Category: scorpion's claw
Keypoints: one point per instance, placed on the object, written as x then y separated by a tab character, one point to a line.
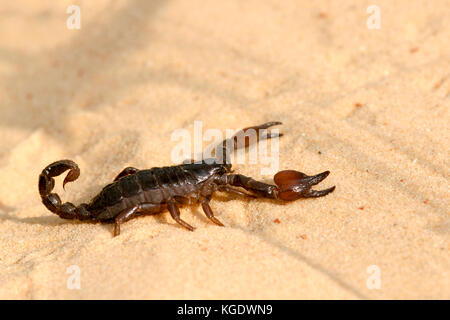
313	180
246	133
321	193
294	185
264	126
269	134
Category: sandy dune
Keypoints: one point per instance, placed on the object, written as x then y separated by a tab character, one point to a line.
370	105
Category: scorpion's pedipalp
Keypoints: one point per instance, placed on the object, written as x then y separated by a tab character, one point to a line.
264	125
294	185
288	178
321	193
235	191
250	131
313	180
242	138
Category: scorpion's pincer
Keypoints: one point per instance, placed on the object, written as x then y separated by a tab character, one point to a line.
294	185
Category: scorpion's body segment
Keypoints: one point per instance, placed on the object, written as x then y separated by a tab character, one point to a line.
184	184
137	192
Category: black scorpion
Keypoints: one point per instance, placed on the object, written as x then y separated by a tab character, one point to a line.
137	192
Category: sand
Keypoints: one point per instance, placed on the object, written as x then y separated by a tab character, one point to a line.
370	105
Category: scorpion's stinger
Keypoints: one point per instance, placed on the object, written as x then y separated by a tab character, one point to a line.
46	181
51	200
72	175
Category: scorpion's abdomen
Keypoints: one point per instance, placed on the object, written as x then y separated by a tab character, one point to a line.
155	185
115	197
160	184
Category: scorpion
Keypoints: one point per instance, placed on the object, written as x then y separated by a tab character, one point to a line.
137	192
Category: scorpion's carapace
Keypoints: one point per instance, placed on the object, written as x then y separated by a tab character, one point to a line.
137	192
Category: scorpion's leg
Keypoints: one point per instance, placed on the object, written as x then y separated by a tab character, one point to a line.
175	213
130	213
122	217
208	211
125	172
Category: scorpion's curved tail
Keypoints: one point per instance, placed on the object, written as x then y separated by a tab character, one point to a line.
51	200
243	138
